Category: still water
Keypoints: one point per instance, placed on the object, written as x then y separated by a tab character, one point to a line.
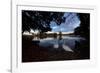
66	43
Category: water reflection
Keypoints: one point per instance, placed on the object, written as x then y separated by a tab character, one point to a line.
58	42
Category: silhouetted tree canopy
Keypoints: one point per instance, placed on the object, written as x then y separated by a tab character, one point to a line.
39	20
84	28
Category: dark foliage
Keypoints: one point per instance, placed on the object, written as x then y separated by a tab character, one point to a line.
39	20
84	28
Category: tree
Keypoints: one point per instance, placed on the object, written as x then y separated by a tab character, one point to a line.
39	20
84	28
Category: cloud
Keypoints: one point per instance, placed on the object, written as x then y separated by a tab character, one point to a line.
71	22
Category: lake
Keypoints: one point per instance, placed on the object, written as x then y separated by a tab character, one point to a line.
67	43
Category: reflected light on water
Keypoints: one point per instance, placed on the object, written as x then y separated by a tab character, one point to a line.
67	48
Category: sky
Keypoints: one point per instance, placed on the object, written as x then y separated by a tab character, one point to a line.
71	22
